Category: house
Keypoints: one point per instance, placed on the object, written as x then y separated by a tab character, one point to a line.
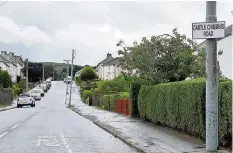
225	45
4	65
109	68
12	65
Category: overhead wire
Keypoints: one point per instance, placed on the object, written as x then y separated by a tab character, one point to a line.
4	2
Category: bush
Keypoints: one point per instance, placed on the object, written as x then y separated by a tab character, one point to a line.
5	79
106	102
86	94
88	74
134	91
181	105
6	96
112	99
124	95
17	92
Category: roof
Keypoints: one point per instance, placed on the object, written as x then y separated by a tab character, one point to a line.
105	60
4	60
115	61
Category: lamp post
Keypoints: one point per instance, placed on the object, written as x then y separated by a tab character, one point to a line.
72	62
67	74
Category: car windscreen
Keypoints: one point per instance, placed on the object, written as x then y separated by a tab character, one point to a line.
24	96
35	91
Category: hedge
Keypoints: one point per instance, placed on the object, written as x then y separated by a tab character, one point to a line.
124	95
86	94
6	96
106	102
134	91
181	105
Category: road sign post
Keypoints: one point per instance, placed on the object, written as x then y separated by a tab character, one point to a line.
211	30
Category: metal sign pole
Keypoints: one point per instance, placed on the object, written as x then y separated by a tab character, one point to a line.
211	84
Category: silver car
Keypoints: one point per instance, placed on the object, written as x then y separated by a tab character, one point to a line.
25	99
36	94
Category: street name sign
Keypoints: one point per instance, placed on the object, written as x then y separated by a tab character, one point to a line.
206	30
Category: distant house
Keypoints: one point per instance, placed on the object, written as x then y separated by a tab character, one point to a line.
12	65
224	44
4	65
109	68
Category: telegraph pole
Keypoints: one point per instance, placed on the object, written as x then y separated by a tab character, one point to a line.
211	84
67	74
43	71
73	56
26	74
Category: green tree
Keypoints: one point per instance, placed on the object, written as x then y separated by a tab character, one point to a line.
163	58
5	79
88	74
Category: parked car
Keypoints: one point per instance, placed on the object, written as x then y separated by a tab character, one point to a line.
47	86
48	82
25	99
36	94
44	87
41	92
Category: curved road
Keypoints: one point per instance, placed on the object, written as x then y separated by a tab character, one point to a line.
50	127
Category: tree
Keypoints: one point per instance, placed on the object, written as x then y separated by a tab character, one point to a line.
5	79
163	58
88	74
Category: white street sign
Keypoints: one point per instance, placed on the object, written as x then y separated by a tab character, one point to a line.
205	30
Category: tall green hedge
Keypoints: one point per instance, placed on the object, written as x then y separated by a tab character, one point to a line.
181	105
134	91
106	102
112	99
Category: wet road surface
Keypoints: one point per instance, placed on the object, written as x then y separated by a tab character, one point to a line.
50	127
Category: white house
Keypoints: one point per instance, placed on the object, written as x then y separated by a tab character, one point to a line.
110	68
4	66
224	44
12	66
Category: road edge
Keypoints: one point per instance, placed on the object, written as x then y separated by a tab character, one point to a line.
102	126
5	109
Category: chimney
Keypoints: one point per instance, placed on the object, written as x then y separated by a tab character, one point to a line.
4	53
109	55
11	54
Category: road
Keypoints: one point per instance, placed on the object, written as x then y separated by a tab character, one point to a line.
50	127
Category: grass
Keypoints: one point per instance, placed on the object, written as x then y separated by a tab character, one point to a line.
2	106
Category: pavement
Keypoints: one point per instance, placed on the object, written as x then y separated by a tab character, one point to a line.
13	105
50	127
142	136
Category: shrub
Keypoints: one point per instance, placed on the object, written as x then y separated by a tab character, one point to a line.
112	99
124	95
86	94
106	102
6	96
88	74
134	91
5	79
181	105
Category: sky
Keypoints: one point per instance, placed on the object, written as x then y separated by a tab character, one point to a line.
46	31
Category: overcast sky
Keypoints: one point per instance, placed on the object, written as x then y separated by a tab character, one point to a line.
48	31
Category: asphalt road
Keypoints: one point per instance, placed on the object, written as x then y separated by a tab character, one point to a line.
50	127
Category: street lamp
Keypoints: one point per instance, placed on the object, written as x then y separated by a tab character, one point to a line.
67	73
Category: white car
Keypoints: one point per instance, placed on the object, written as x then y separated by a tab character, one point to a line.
44	87
36	94
25	99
